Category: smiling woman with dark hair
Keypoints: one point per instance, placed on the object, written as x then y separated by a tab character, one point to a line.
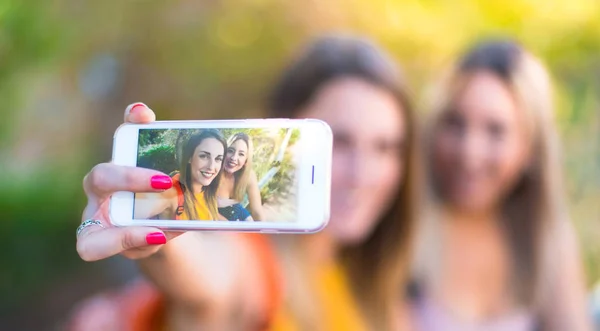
193	195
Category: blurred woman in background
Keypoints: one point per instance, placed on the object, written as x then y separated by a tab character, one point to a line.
238	180
499	252
347	277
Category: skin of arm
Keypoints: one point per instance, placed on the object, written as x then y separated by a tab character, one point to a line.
254	199
567	310
151	204
205	278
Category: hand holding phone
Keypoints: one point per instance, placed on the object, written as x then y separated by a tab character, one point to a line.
102	239
260	175
97	237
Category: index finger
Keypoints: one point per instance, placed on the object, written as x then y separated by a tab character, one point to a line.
107	178
139	113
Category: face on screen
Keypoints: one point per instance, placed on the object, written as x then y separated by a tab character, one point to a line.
237	154
213	178
206	161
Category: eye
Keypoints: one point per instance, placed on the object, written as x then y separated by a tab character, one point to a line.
341	141
241	154
202	156
496	130
219	158
388	147
454	121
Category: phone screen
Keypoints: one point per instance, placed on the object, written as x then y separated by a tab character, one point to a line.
225	174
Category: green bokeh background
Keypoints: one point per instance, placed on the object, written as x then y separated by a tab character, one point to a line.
68	69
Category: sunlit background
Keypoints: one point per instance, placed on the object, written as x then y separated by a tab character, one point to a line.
68	69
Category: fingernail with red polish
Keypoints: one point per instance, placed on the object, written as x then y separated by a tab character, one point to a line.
161	182
139	106
156	238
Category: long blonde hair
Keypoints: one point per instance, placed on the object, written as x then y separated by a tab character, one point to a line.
242	176
535	205
377	267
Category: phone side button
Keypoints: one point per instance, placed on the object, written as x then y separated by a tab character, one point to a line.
268	231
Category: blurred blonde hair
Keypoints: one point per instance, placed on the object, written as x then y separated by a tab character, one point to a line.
535	206
242	176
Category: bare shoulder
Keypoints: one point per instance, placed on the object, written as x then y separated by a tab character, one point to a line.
170	193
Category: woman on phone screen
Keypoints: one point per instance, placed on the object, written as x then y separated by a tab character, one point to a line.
193	194
238	180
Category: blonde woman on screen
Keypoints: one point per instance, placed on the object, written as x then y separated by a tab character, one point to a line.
238	180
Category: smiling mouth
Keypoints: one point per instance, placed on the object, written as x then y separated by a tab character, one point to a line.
231	164
207	174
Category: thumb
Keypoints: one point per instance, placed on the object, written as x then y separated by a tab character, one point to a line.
97	245
139	113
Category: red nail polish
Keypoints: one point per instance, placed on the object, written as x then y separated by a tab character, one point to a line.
161	182
156	238
137	105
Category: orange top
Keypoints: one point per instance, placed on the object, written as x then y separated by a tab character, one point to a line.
142	308
201	205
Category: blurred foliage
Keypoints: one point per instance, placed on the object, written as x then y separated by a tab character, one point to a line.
284	179
278	188
30	37
159	157
217	59
33	240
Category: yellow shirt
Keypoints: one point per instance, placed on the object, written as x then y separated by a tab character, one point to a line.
201	207
339	308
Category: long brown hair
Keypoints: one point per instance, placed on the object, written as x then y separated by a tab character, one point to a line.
210	191
376	267
535	205
242	176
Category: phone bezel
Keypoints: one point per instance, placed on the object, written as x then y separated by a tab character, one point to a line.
313	197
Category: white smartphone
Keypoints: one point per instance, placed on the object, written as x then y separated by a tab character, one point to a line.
253	175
